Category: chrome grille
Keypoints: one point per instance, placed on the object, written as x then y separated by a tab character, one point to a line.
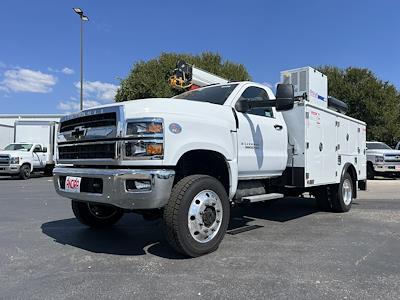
392	158
90	136
90	121
88	151
4	160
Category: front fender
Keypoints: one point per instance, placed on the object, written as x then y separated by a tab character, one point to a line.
199	146
200	132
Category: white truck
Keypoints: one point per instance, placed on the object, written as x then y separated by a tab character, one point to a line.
382	160
189	158
34	149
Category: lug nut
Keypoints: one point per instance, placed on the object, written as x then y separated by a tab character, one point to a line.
205	230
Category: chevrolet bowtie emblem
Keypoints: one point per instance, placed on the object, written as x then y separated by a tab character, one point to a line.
78	133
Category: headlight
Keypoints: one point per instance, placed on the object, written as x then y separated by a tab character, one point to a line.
379	159
144	127
14	160
141	149
145	139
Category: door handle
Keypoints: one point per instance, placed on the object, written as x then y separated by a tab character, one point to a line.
278	127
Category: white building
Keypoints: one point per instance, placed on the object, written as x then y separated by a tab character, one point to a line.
7	125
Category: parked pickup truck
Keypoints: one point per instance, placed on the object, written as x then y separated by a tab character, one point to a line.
189	158
21	159
382	160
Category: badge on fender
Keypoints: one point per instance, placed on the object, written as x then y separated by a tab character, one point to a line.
175	128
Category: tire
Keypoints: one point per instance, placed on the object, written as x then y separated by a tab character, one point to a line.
370	172
25	172
196	216
96	215
343	197
48	170
336	197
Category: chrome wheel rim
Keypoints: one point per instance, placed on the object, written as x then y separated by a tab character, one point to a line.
101	211
347	192
205	216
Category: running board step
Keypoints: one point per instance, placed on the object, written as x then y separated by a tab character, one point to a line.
263	197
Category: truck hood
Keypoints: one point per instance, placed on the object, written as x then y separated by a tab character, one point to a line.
14	153
383	152
178	108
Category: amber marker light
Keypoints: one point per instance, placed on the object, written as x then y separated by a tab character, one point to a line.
155	128
154	149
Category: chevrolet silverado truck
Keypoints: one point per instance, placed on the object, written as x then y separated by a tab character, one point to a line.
382	160
21	159
187	159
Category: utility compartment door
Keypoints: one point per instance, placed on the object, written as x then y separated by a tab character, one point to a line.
321	156
362	156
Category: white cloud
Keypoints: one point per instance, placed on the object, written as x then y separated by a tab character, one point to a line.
67	71
26	80
73	106
102	91
95	93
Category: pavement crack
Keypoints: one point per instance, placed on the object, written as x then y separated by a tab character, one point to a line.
373	250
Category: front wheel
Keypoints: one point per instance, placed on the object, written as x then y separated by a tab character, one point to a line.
25	172
96	215
370	171
197	215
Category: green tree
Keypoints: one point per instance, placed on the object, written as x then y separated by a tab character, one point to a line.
149	79
369	99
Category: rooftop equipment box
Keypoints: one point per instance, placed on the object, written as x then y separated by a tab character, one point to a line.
310	82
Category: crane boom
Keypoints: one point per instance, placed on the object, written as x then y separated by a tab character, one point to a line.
186	76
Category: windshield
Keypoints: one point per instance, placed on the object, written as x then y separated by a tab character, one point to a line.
213	94
377	146
23	147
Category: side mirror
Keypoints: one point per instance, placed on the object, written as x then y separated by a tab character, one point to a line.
284	97
242	106
44	149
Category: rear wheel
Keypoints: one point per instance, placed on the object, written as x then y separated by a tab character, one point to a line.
25	172
96	215
370	171
337	197
197	215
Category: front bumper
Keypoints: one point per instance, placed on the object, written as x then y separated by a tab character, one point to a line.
9	169
387	168
114	186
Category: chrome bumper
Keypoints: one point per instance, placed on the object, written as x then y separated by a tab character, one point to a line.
387	168
114	190
9	169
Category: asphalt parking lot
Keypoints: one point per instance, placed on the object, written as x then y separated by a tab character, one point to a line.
286	250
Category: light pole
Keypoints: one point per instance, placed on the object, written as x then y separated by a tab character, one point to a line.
83	17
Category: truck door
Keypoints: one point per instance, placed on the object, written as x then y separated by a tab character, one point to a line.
262	138
39	157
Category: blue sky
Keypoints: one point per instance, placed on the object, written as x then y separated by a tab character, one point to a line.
39	52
